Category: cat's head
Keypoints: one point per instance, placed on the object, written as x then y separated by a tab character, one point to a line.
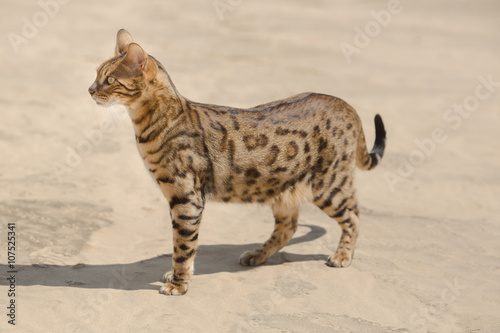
125	77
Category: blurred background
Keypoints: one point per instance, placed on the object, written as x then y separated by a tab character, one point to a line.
431	69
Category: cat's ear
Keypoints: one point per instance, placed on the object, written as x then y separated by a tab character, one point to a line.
136	58
123	39
138	61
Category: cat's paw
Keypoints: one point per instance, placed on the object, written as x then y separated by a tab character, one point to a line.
167	277
252	258
171	289
341	259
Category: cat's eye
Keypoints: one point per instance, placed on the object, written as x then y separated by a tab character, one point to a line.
111	80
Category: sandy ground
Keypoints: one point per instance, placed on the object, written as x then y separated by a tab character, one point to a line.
92	230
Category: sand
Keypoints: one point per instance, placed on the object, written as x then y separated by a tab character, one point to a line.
93	231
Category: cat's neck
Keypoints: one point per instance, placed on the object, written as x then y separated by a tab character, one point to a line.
159	98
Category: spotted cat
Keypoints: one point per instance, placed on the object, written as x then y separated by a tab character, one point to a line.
284	153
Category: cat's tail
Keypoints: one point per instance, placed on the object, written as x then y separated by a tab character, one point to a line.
368	161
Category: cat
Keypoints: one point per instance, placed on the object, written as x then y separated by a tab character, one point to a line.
284	153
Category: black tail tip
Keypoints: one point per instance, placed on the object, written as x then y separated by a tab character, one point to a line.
380	136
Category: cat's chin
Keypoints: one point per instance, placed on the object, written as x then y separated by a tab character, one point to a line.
98	101
103	103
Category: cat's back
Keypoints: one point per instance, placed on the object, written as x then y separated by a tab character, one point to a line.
297	112
304	103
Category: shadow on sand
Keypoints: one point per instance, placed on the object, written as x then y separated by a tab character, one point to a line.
142	275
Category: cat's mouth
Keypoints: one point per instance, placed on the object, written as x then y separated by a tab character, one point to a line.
104	103
98	100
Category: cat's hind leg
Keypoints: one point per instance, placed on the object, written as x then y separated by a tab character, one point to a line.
342	207
286	219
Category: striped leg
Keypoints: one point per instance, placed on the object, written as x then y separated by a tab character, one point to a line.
346	213
349	223
186	216
286	220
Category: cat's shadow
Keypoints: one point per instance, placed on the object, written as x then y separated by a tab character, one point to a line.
145	274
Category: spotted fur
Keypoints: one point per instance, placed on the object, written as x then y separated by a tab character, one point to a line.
284	153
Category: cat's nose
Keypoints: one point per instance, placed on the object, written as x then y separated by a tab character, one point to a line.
92	88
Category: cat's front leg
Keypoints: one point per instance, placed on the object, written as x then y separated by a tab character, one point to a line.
186	213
